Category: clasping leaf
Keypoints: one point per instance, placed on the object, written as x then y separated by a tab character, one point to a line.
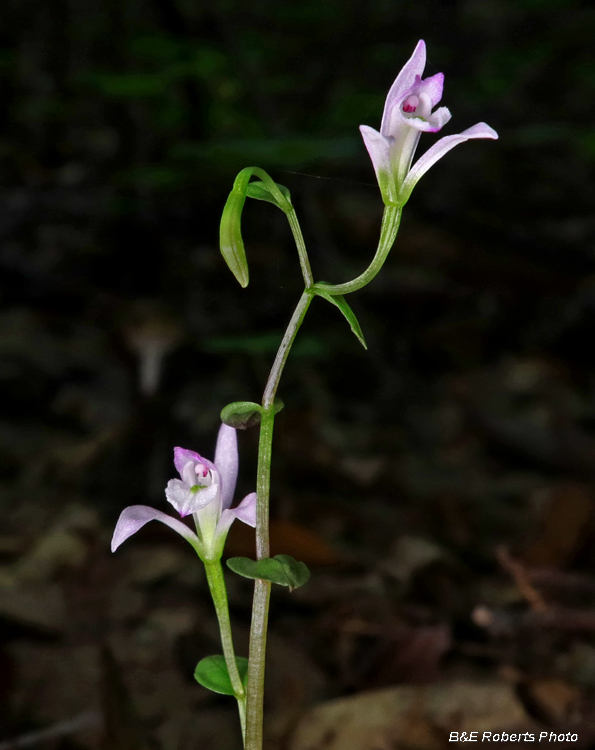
245	414
281	569
339	301
211	672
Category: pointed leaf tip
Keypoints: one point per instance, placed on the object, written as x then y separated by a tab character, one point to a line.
339	301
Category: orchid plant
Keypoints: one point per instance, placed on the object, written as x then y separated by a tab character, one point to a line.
205	488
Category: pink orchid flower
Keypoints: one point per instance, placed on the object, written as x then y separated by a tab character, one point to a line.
204	490
407	114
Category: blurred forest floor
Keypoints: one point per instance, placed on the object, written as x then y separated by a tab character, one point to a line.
441	485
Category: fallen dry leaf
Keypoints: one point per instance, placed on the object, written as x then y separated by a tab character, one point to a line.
554	698
383	719
566	518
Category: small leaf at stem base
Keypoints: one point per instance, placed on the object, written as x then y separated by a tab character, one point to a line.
281	569
211	672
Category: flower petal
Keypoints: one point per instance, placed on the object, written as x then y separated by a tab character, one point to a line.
435	122
187	501
379	149
183	456
226	461
403	82
187	461
437	151
246	510
438	119
136	516
433	86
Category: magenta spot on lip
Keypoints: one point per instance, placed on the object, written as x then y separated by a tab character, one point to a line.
201	470
410	104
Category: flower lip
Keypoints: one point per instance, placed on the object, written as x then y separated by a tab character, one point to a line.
188	499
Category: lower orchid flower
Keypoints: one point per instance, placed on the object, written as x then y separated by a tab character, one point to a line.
205	491
407	114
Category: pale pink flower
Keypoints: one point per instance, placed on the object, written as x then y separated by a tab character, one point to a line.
205	491
408	112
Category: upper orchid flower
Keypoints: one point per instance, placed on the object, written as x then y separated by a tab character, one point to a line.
205	490
408	113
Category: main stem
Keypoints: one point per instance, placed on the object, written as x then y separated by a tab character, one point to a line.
219	595
262	589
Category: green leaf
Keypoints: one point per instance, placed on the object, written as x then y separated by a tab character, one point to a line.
281	569
241	414
339	301
261	192
211	672
245	414
230	237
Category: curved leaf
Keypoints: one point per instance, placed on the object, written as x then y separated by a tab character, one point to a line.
230	237
260	192
241	414
211	672
339	301
281	569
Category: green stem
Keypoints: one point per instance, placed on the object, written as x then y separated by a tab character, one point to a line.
262	589
219	595
388	232
301	247
276	370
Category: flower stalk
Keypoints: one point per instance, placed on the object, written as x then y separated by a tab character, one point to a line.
218	591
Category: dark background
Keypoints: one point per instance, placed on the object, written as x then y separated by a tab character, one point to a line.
423	480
